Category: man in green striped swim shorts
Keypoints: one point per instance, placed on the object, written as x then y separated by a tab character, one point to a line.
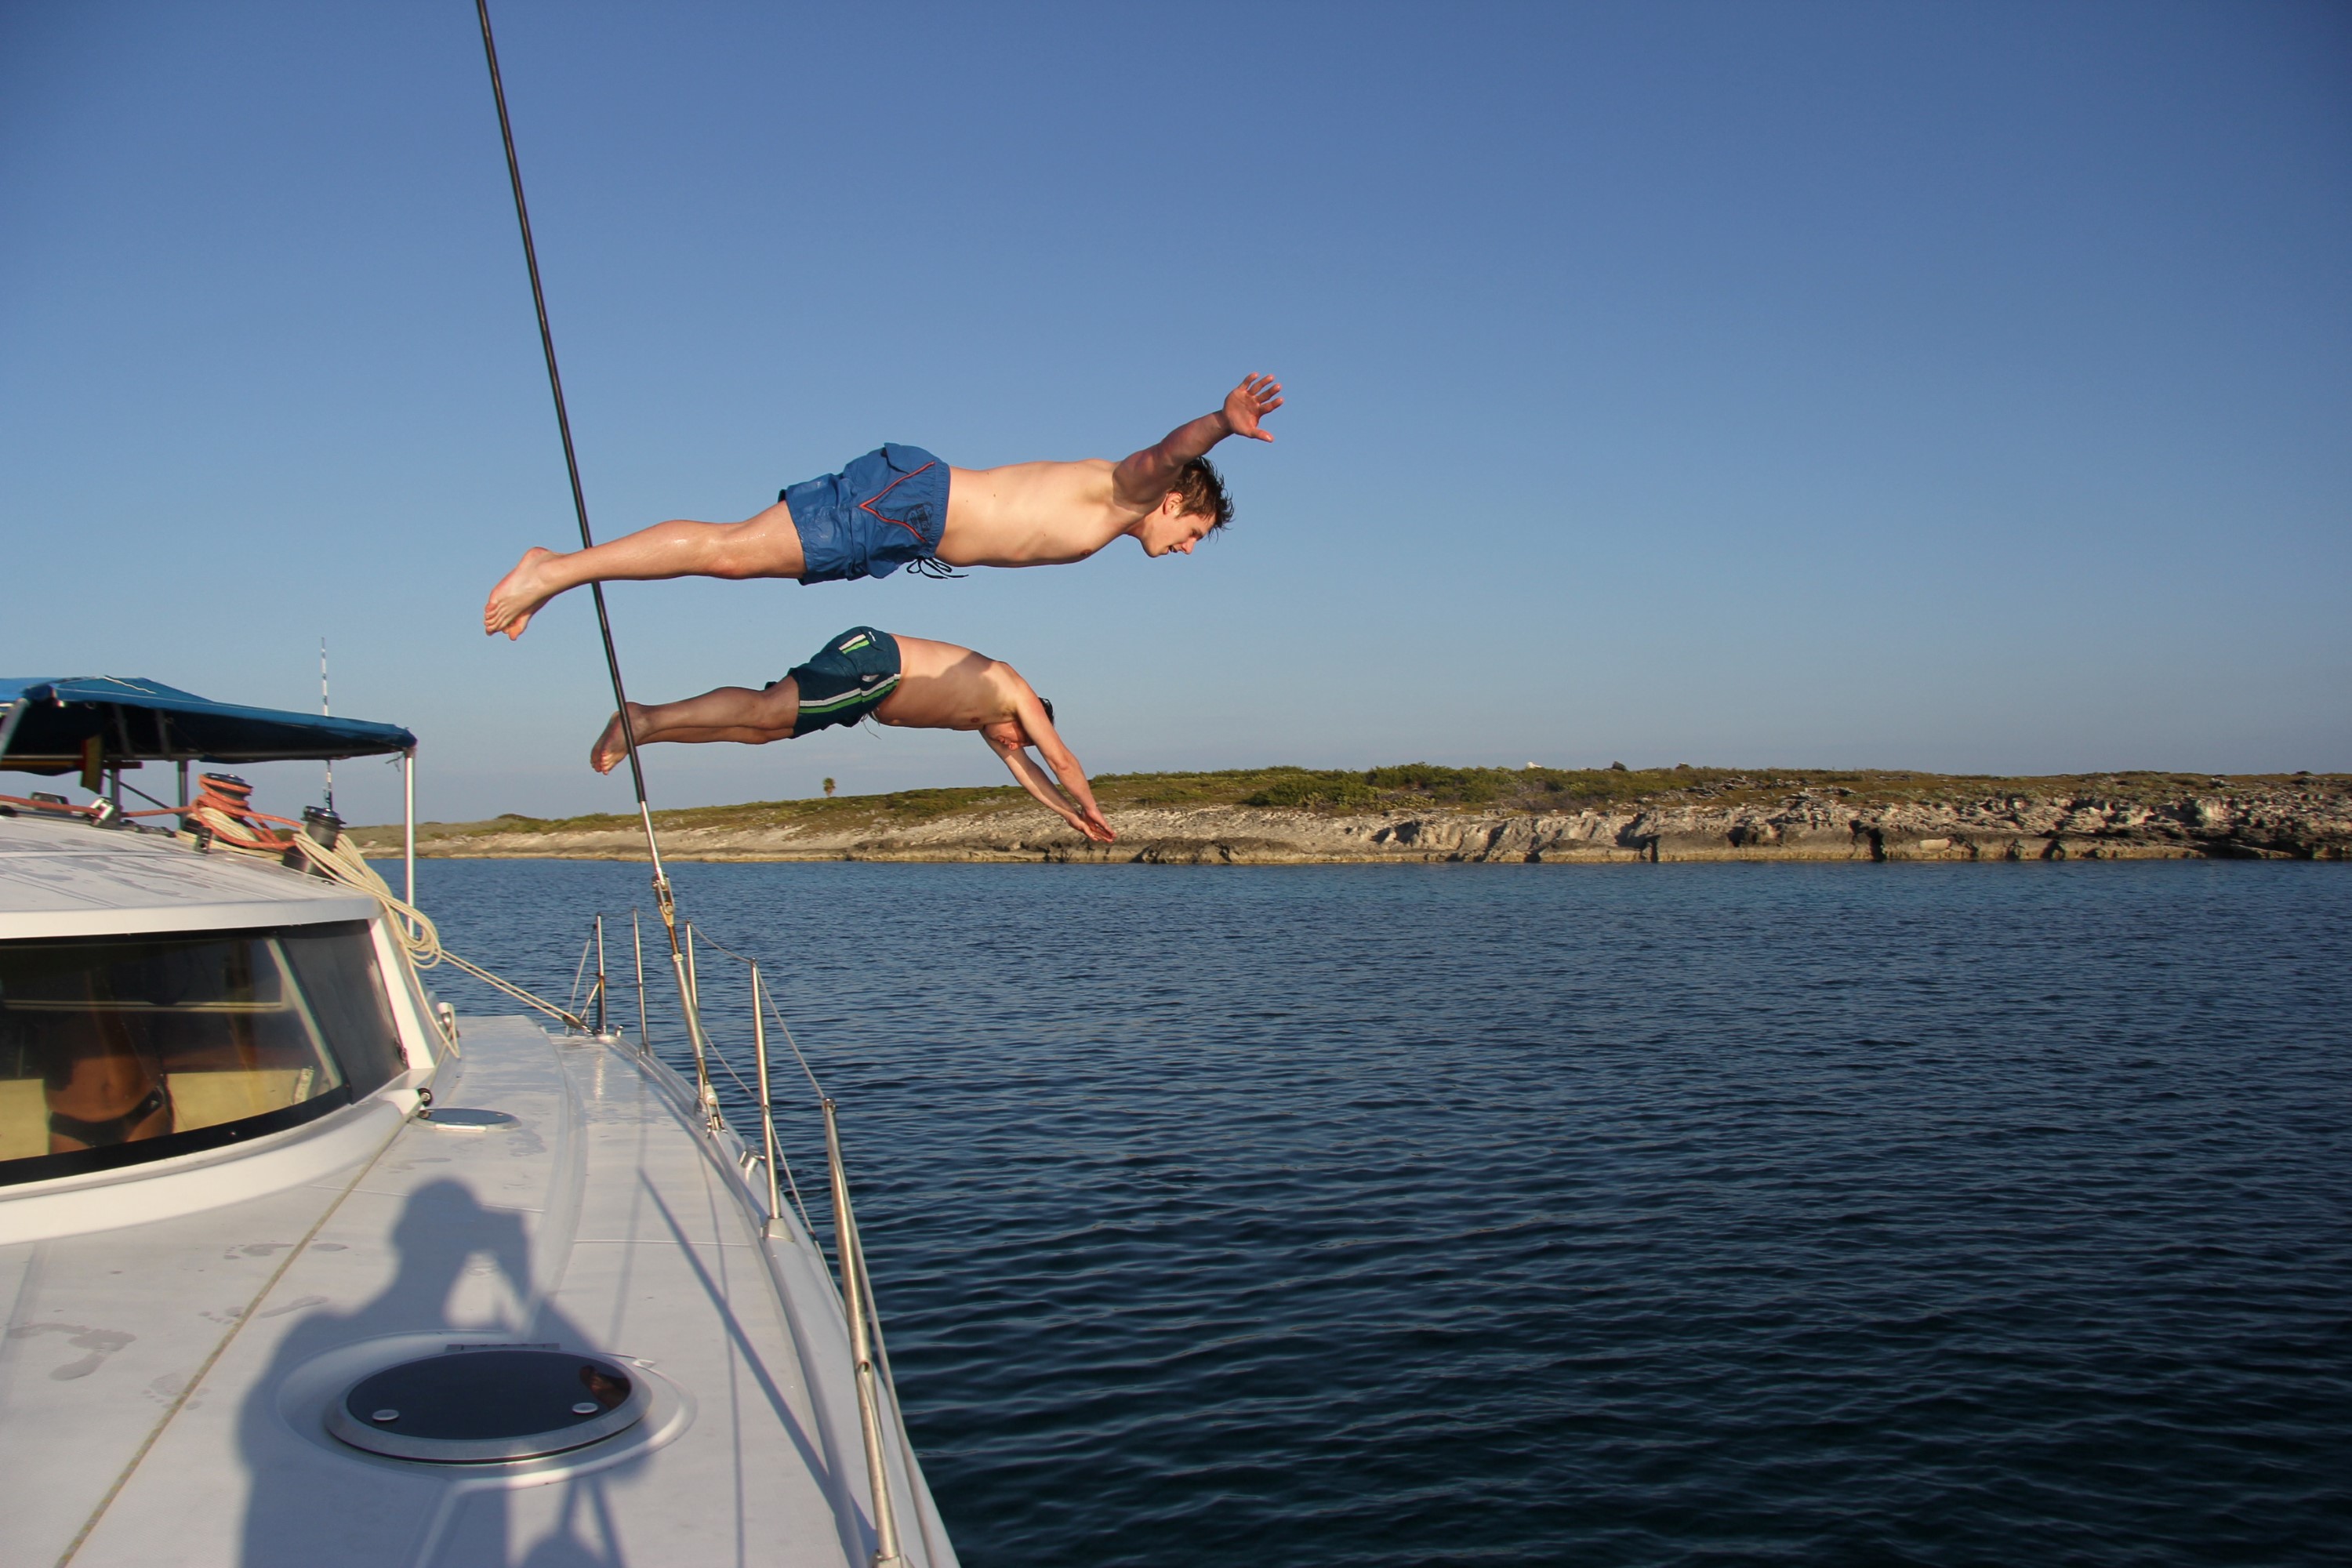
906	682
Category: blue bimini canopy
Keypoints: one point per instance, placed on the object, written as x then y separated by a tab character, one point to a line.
49	725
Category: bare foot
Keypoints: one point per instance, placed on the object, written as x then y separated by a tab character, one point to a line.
518	597
610	747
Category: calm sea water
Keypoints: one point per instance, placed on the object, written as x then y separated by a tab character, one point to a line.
1639	1215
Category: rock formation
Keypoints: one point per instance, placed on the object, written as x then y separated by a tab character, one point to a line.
2303	819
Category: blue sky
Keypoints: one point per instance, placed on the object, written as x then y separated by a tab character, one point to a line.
1940	387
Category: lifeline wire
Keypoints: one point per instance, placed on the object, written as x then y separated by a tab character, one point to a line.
815	1087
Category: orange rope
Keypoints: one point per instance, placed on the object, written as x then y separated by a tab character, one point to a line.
247	820
47	805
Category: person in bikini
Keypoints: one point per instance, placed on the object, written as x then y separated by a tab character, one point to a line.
902	506
912	682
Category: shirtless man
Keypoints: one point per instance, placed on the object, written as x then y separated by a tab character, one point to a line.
912	682
901	504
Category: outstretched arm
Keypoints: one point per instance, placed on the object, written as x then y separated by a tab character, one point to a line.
1147	476
1066	779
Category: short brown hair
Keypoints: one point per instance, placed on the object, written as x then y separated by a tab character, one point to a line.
1203	489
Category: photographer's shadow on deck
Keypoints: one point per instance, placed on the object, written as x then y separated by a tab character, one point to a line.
463	1269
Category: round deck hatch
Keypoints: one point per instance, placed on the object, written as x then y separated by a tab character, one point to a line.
469	1119
473	1407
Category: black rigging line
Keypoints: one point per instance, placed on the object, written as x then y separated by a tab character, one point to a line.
688	1001
570	458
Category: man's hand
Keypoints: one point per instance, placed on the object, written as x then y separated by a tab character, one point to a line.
1252	400
1143	481
1089	821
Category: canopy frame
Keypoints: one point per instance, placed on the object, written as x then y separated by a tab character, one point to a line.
64	724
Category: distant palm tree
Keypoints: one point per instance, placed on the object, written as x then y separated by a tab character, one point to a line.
828	789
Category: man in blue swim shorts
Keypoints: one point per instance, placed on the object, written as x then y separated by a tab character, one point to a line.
901	506
908	682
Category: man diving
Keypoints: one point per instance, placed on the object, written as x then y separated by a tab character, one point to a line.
912	682
902	505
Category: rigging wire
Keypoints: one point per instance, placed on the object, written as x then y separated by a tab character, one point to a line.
562	417
851	1253
662	898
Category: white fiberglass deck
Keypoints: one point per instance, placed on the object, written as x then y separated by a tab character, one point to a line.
162	1386
63	877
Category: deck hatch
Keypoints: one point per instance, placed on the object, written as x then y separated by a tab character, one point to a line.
483	1407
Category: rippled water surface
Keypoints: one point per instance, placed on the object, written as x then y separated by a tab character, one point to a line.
1637	1214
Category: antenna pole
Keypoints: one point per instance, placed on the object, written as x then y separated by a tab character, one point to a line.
324	711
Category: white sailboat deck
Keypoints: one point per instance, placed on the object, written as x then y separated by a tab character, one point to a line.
597	1221
176	1332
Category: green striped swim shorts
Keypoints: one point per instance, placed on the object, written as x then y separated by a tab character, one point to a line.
847	680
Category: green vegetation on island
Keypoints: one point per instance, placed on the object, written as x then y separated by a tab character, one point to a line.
1403	787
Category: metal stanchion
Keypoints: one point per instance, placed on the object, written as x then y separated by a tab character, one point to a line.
775	1226
600	975
637	947
851	1257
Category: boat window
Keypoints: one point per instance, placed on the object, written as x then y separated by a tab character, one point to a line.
336	966
115	1049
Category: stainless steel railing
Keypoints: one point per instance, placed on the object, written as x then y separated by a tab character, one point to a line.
870	1356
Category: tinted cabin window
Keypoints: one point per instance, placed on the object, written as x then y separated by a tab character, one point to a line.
336	966
114	1049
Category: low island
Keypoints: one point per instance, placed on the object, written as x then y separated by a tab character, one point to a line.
1423	812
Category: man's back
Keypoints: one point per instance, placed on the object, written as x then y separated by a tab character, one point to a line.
1033	514
1047	514
942	686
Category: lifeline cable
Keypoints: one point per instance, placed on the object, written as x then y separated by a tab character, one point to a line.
662	898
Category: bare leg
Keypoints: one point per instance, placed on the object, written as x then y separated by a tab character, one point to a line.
767	545
731	713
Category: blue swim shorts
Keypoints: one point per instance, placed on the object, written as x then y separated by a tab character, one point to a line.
847	679
880	513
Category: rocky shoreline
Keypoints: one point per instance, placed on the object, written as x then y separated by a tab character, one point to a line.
2303	819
